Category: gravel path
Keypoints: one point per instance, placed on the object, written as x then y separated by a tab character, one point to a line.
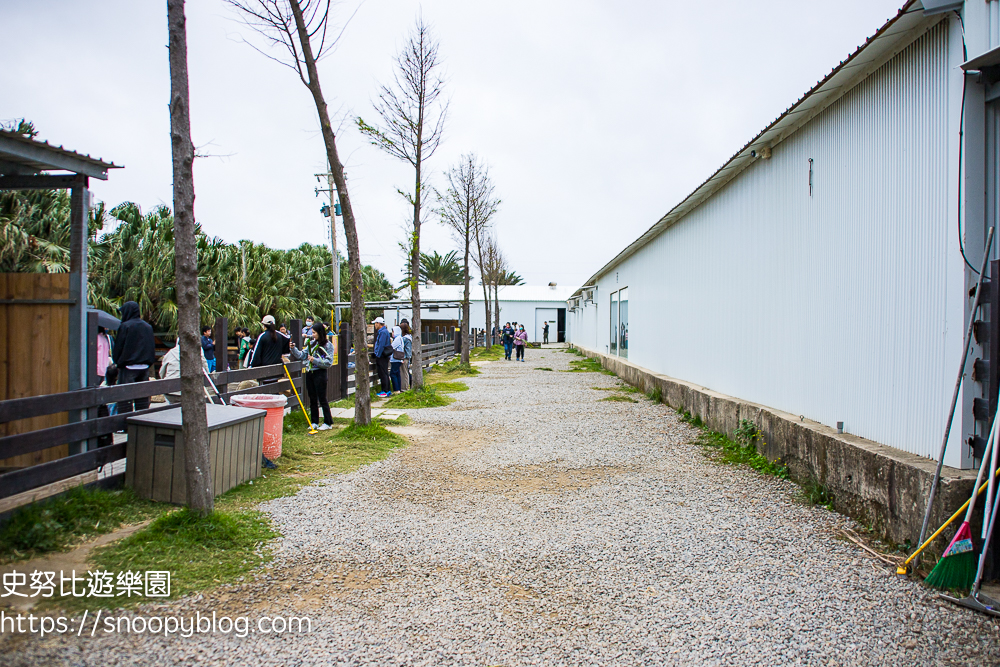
531	523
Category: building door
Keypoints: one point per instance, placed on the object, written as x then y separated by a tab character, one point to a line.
545	316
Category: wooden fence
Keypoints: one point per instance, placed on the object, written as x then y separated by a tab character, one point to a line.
45	425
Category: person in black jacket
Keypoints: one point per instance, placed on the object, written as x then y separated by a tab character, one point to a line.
134	353
270	345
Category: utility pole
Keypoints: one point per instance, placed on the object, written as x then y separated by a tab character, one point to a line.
332	214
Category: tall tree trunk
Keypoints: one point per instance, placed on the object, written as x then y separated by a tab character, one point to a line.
496	302
465	299
416	367
362	393
197	466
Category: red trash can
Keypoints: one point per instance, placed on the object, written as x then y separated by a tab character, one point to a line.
273	422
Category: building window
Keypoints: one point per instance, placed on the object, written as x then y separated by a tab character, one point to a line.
613	347
623	322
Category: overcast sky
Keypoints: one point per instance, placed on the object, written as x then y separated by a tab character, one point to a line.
595	117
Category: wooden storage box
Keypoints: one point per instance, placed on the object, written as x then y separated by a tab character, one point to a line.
155	451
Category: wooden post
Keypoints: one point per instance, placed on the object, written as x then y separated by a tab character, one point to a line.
79	231
458	341
221	334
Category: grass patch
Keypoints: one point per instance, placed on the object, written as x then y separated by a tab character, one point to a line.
618	398
426	397
199	552
450	387
655	394
348	402
492	353
450	370
587	365
59	523
542	368
815	493
742	450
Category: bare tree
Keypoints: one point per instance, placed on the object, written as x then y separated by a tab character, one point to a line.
466	207
481	237
302	29
413	122
200	494
496	267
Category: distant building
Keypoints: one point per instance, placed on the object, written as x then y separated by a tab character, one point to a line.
530	305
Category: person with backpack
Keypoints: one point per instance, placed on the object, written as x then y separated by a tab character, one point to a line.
270	345
520	341
397	358
134	353
317	350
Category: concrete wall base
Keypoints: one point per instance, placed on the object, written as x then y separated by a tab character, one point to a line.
883	488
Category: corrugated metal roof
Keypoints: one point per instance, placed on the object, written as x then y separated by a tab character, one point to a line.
898	32
507	292
23	155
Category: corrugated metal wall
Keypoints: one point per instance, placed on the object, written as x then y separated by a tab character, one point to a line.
831	305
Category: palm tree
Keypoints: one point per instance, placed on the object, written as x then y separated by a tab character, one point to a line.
440	269
508	277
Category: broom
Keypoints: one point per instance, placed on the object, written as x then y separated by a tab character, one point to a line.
957	568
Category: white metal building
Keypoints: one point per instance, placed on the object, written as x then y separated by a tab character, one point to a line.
530	305
820	270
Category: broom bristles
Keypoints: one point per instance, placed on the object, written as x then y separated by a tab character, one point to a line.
957	568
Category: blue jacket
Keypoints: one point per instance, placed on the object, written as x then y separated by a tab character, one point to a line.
382	346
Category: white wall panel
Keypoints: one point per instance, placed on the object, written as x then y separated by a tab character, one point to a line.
836	305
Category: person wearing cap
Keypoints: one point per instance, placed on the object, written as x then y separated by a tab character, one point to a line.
382	352
270	345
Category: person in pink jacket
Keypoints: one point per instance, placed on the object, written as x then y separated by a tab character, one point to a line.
520	340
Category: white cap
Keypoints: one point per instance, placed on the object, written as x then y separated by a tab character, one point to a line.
268	319
378	320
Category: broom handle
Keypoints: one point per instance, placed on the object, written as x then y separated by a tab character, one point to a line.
958	384
289	375
947	523
991	490
982	557
990	448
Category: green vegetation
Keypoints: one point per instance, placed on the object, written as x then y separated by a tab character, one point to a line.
450	387
349	401
426	397
741	451
491	353
449	370
655	394
203	553
199	552
587	365
542	368
815	493
56	524
619	399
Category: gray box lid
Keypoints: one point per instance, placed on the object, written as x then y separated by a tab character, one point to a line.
219	416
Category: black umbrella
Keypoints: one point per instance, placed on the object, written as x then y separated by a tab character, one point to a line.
106	320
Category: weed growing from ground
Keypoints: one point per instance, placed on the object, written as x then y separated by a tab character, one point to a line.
587	365
815	493
619	399
540	368
655	394
742	450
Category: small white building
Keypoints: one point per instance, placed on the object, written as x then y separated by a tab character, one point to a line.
530	305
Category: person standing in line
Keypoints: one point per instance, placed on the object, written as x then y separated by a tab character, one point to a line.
307	329
208	347
520	341
404	368
396	358
134	353
243	348
170	368
103	354
382	352
545	333
508	340
270	345
318	353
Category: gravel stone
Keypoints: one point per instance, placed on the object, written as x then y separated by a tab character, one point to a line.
530	523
